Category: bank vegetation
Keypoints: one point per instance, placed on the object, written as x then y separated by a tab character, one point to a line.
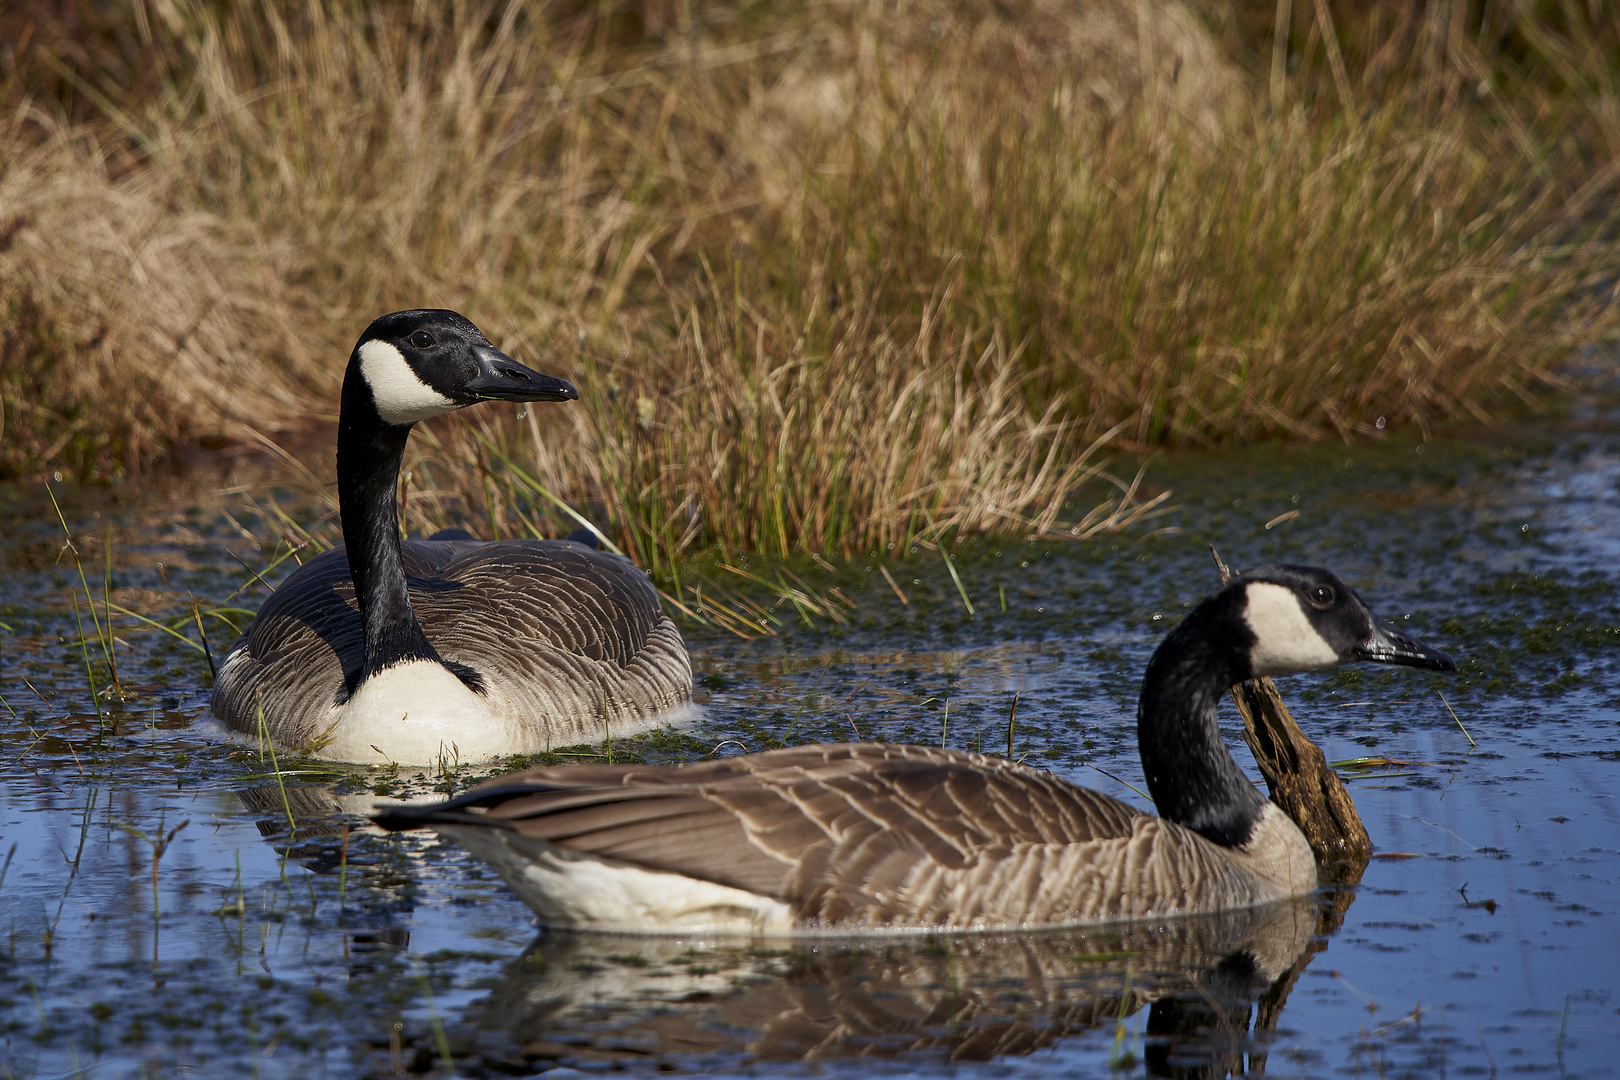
829	275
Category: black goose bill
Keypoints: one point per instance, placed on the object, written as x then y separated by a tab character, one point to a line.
501	378
1387	645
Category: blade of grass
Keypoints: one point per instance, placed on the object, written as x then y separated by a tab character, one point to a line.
104	640
951	566
257	576
84	647
157	626
106	594
1116	779
1455	717
208	654
265	743
1012	715
252	572
890	579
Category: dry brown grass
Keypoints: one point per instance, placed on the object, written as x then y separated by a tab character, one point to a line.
832	276
133	317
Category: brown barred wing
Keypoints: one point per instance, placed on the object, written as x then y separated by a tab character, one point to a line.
841	833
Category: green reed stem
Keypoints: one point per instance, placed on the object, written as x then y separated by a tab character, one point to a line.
84	648
102	639
1455	717
1012	715
960	591
266	743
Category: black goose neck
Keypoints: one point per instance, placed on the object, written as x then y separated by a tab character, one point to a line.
369	453
1191	775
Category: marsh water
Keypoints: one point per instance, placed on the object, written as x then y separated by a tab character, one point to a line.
173	903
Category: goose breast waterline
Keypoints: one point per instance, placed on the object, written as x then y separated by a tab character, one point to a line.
864	837
419	651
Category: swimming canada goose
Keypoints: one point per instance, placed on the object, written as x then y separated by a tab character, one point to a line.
862	837
425	650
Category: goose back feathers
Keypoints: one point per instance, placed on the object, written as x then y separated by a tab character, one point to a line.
880	837
562	639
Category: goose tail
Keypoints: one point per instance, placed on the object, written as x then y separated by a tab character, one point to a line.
465	809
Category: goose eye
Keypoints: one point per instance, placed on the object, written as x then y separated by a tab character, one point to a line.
1322	596
422	339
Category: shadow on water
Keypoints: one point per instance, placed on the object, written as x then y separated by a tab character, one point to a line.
170	905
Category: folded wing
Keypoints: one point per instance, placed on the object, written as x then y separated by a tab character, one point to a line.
839	833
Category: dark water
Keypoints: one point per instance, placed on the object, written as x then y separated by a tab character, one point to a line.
279	937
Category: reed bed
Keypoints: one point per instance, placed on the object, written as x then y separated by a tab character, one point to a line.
829	276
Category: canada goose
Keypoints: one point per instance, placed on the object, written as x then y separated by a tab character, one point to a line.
863	837
449	647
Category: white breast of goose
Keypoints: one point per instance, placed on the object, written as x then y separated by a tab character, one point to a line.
1277	857
416	712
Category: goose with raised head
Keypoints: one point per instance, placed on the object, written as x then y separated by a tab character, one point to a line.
418	651
873	837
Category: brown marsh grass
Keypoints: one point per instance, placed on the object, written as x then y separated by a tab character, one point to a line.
829	276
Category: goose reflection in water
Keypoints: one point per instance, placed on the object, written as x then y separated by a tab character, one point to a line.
580	999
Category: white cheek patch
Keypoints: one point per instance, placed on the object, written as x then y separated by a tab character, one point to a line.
401	395
1286	641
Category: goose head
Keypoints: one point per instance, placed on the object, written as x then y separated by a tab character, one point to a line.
1301	618
411	365
1272	620
406	367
